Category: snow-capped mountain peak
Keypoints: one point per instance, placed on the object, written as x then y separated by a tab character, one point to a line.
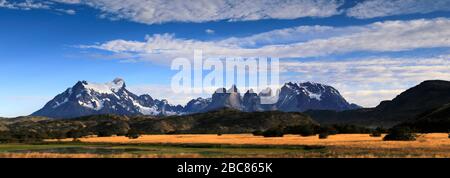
314	90
197	105
105	88
266	92
233	89
87	98
311	95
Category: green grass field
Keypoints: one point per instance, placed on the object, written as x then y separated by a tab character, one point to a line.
153	150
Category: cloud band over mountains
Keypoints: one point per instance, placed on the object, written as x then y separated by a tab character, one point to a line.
296	42
292	45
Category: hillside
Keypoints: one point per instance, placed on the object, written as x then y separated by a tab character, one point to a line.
424	97
220	121
224	121
436	120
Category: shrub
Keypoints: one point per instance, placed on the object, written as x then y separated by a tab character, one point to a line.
332	131
307	131
5	137
323	135
350	129
21	136
133	134
57	134
172	132
109	128
257	133
400	134
327	130
75	134
302	130
104	133
377	132
275	132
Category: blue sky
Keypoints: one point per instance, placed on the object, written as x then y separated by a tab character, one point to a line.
369	50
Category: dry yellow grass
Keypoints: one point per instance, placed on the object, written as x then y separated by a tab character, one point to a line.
424	140
341	145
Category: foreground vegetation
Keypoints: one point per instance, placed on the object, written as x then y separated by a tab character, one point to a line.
216	122
268	124
221	133
234	145
225	121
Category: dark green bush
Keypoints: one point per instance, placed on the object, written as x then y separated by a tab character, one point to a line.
350	129
6	137
173	132
303	130
109	128
400	134
105	133
323	135
22	136
75	134
57	134
257	133
329	130
275	132
377	132
133	134
332	131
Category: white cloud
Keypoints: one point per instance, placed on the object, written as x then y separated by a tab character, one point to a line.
366	82
371	98
162	11
24	5
295	42
165	92
381	8
67	11
292	35
69	1
209	31
33	4
371	80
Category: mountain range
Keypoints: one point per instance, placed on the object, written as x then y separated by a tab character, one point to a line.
422	105
110	98
86	98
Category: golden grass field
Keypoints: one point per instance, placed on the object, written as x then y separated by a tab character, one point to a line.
435	140
436	145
